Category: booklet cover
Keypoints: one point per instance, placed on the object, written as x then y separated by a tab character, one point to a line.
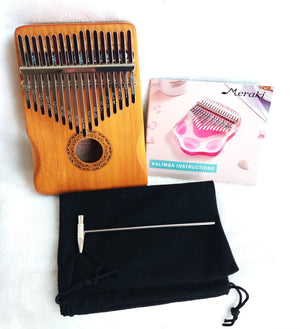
206	130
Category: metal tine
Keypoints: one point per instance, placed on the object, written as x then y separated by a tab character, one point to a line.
220	110
130	60
52	78
70	61
230	114
112	75
209	120
106	86
119	77
86	81
38	76
205	118
79	85
221	114
32	78
225	123
224	112
92	77
213	123
24	63
98	74
123	59
59	81
78	61
45	76
66	78
201	117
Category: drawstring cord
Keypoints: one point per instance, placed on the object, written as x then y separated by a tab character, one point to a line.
235	311
62	297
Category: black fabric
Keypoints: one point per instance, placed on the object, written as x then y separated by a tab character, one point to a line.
127	269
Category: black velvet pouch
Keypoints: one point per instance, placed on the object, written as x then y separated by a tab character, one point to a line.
139	267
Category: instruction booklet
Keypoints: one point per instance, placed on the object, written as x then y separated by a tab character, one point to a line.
206	130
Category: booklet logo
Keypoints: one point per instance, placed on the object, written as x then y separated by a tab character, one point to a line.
235	92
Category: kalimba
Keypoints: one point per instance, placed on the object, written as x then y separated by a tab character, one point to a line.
82	103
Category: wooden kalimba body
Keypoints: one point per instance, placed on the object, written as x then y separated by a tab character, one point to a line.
82	103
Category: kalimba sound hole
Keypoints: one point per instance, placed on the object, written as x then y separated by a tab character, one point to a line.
89	150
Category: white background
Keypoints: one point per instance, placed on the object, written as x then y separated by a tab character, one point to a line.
238	41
